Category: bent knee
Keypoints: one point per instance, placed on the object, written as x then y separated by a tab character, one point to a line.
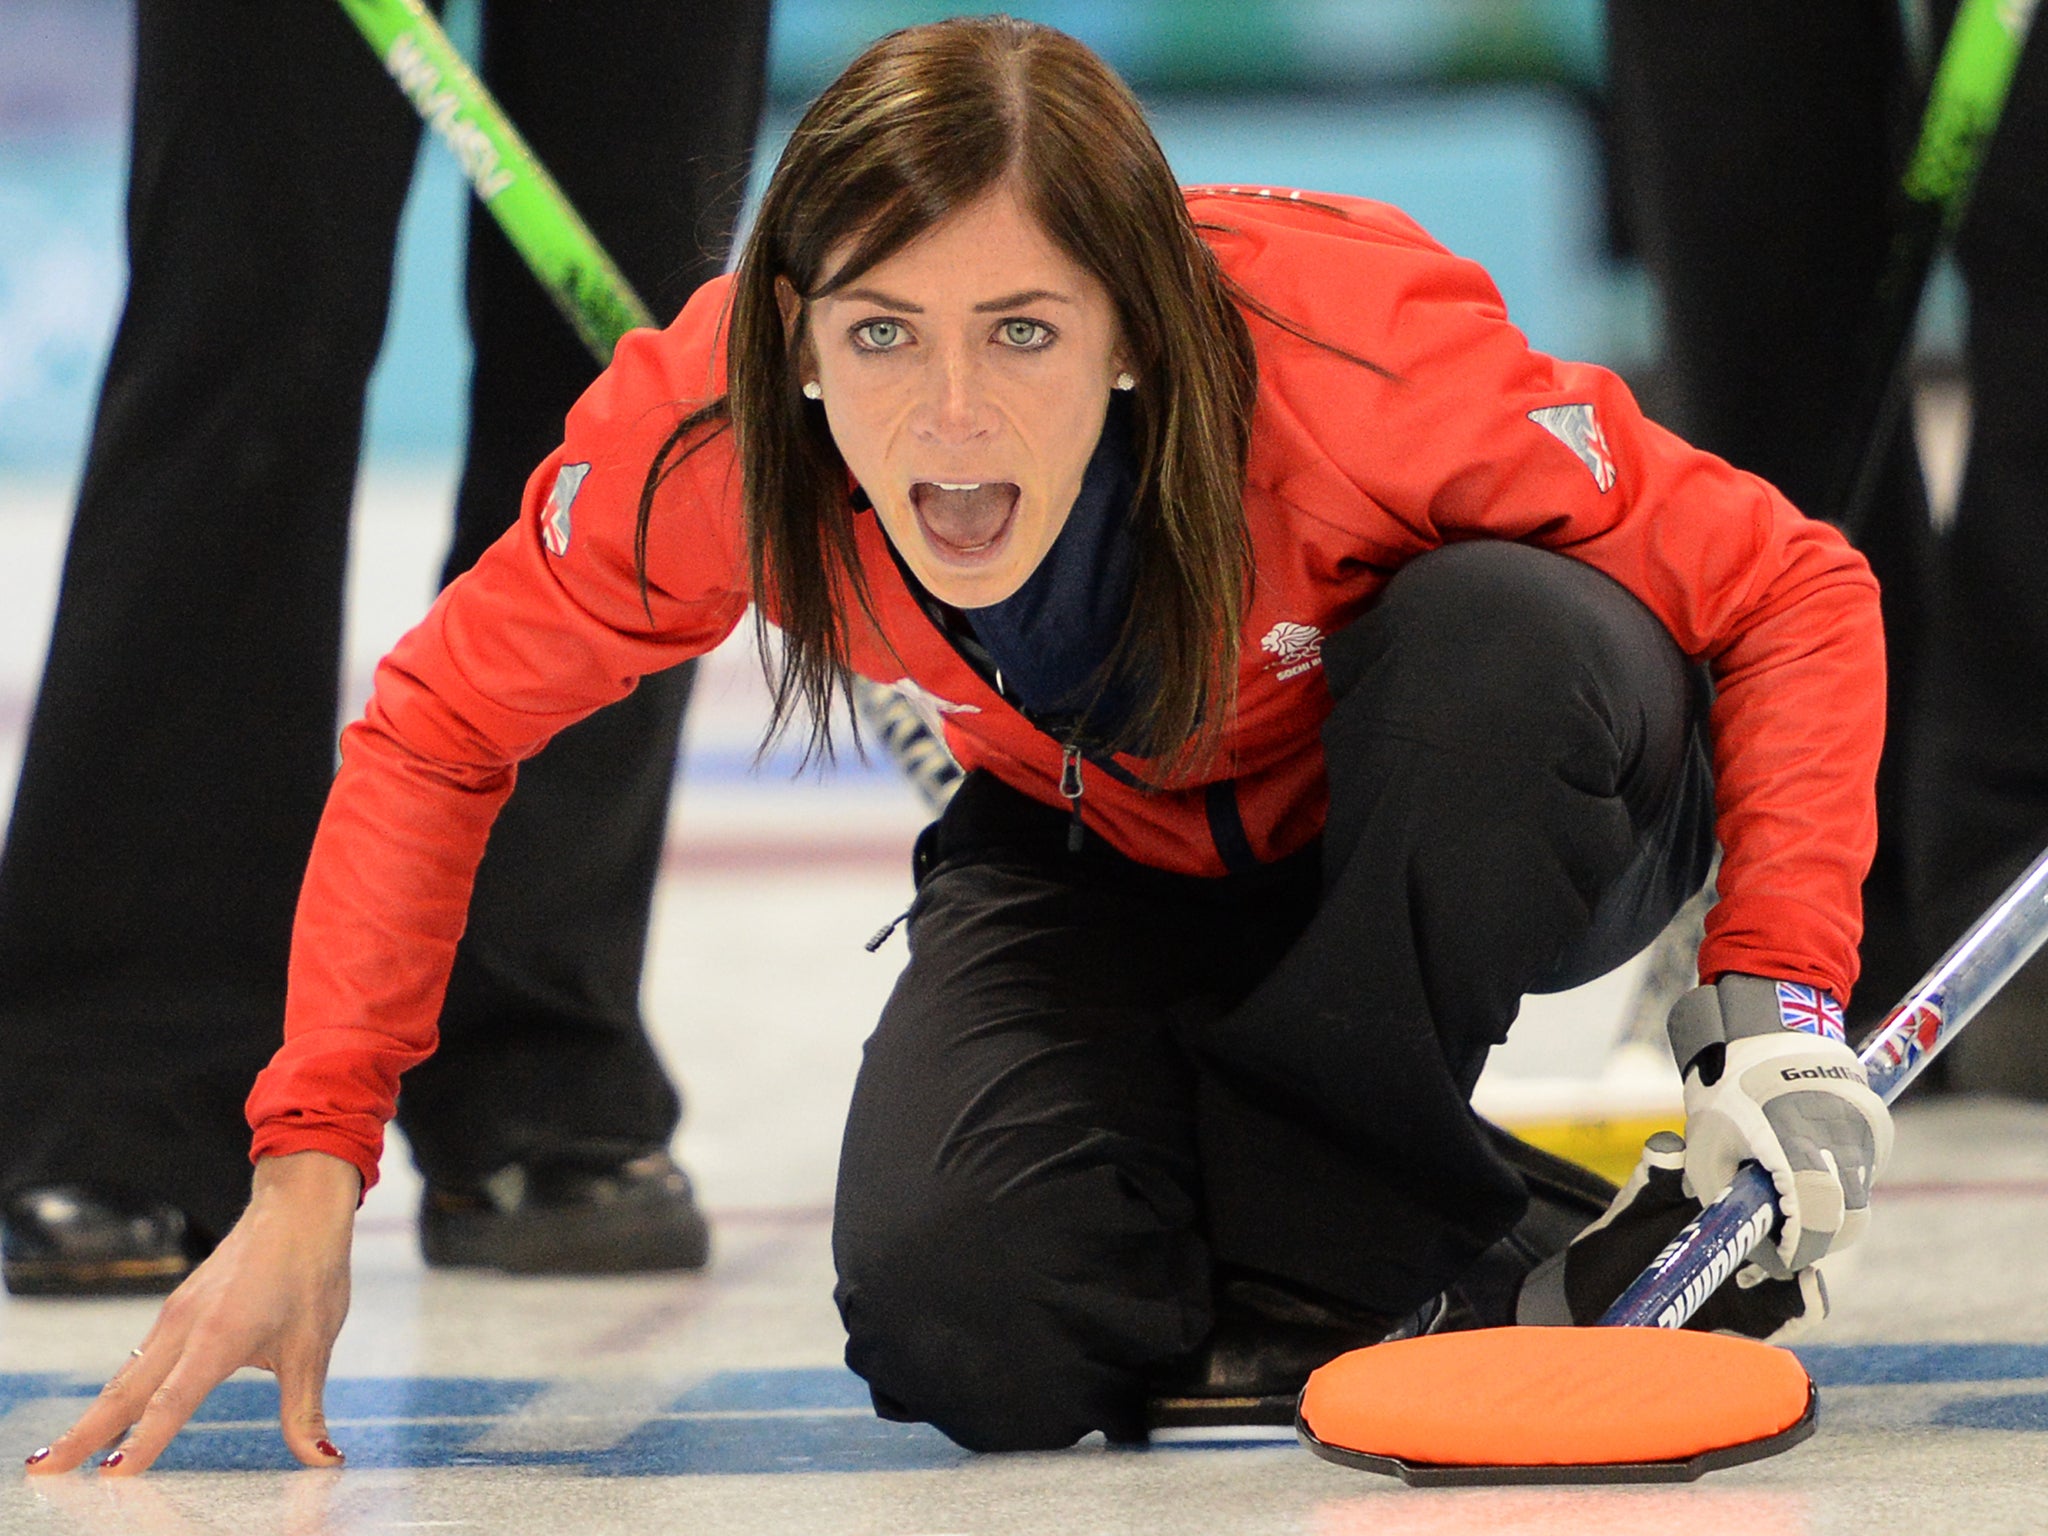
1008	1331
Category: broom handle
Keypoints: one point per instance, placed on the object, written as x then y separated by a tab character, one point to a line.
543	226
1965	102
1722	1237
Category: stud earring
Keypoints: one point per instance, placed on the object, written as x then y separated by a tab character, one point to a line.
813	390
1126	382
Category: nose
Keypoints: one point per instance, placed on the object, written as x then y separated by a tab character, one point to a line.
955	408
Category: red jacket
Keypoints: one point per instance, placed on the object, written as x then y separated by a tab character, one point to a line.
1351	475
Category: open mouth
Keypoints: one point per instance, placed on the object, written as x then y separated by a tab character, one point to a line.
965	521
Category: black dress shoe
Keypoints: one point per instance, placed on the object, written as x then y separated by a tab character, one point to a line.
1267	1340
66	1240
1246	1372
631	1218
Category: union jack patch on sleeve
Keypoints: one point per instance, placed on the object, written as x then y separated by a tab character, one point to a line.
1578	428
1810	1010
554	517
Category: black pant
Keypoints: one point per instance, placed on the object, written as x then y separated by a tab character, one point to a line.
1097	1084
1980	762
1758	145
183	739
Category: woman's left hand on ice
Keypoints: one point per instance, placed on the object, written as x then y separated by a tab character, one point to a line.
273	1294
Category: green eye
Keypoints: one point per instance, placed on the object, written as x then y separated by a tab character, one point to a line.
878	335
1025	333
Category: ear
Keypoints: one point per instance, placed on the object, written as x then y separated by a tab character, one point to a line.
791	304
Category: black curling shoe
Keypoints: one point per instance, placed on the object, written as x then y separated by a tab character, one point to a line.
1250	1370
635	1217
66	1240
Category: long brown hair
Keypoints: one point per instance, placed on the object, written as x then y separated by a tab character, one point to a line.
924	123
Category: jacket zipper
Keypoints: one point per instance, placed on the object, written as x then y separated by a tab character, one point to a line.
1070	786
882	934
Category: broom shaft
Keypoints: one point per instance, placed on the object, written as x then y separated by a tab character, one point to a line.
1965	102
543	226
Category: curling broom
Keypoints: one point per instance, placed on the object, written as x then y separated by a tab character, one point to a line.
1633	1399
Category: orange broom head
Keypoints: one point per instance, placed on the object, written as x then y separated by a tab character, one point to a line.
1557	1405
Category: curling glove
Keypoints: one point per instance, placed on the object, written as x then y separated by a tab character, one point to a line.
1578	1285
1768	1079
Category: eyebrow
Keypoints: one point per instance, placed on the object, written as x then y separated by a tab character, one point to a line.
989	306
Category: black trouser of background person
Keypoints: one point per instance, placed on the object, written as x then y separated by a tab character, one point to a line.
1757	145
183	738
1098	1087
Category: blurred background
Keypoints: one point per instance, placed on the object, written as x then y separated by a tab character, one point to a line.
1482	118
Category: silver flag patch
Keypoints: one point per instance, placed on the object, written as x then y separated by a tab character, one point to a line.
1579	430
554	517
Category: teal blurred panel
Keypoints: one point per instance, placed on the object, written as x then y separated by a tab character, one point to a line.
418	401
418	406
62	269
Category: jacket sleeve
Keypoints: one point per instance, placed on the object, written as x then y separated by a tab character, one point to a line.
1478	435
548	626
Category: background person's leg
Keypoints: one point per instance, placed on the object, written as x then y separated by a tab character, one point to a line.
183	738
645	111
1756	148
1980	763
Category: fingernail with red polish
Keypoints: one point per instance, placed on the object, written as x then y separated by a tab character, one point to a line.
114	1460
326	1448
42	1455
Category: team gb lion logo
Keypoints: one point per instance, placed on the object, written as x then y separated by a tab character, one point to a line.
1295	648
1293	642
